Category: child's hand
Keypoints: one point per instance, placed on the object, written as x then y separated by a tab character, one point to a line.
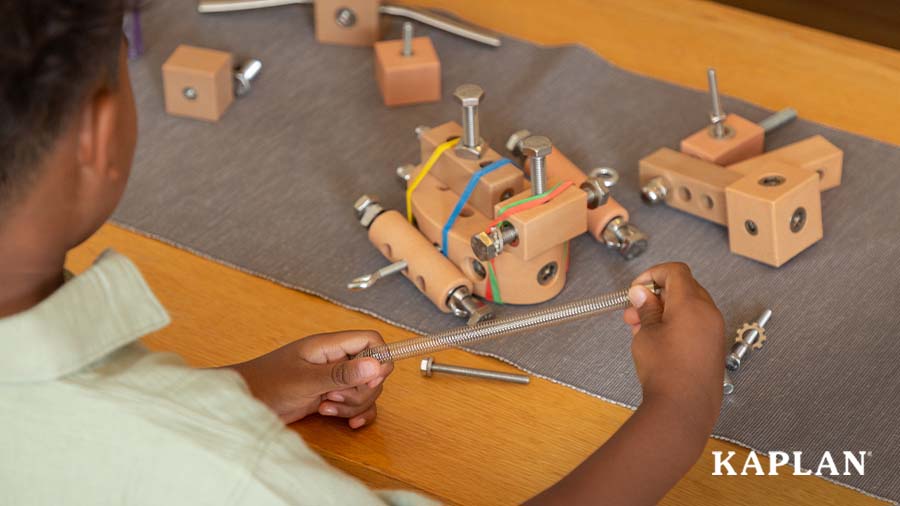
678	345
314	374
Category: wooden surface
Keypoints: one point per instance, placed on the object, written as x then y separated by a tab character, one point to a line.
472	442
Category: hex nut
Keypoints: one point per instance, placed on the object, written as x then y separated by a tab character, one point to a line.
597	192
425	366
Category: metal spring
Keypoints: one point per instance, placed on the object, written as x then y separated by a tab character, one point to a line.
539	318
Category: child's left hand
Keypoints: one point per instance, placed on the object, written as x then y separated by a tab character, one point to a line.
314	374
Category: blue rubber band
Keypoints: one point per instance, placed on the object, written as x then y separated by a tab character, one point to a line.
464	197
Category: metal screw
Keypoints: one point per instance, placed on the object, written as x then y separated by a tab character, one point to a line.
749	339
189	93
596	190
751	227
655	191
778	119
547	272
608	175
428	367
514	143
367	209
345	17
625	238
798	220
537	148
404	173
407	39
727	384
471	146
465	305
717	116
364	282
487	245
420	131
244	74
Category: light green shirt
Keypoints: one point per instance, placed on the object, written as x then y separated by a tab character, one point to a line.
88	416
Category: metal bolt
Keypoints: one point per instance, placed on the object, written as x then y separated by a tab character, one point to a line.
514	144
428	367
420	130
407	39
608	175
537	148
487	245
596	190
364	282
244	74
404	173
189	93
727	384
778	119
717	117
465	305
748	340
367	209
655	191
625	238
345	17
471	146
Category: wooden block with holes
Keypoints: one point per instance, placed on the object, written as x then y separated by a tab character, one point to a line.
547	225
455	172
694	186
405	80
347	22
815	154
774	212
744	139
198	82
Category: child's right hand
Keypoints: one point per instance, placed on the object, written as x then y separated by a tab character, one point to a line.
678	344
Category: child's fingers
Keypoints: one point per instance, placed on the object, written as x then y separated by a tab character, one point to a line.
363	419
358	396
342	410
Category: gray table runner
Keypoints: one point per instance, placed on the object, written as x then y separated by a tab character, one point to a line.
269	188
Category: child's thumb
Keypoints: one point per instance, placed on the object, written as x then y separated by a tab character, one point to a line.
350	373
648	305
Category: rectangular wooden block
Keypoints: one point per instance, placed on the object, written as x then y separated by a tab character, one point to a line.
774	212
747	141
362	28
198	82
405	80
455	172
548	225
694	186
815	154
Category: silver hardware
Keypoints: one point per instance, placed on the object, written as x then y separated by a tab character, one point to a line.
547	273
749	336
798	220
778	119
471	145
625	238
244	74
420	131
596	190
537	148
719	129
364	282
487	245
407	39
415	14
538	318
514	143
428	367
404	173
465	305
608	175
189	93
655	191
727	384
367	209
345	17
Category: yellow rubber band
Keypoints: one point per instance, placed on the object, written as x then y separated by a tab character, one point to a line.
425	169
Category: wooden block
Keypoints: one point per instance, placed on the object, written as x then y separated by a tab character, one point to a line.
694	186
405	80
548	225
455	172
774	212
204	74
747	141
815	154
364	30
517	279
432	273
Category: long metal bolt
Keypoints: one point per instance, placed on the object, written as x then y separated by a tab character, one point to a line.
740	350
407	39
244	74
717	117
427	367
537	148
471	145
778	119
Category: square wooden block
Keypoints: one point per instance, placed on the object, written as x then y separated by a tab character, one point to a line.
747	140
548	225
405	80
198	82
347	22
815	154
774	213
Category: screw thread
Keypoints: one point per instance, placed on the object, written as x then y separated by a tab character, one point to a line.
538	175
407	39
718	115
480	373
470	127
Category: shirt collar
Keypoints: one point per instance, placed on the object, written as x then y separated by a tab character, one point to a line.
93	314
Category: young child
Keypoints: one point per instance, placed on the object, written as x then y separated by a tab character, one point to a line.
88	416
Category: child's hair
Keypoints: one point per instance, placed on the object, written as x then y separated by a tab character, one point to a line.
52	53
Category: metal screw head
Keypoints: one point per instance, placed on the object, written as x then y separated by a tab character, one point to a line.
624	237
469	95
189	93
597	192
420	130
547	273
363	202
514	144
751	227
345	17
798	220
655	191
404	173
245	74
483	246
608	175
367	209
425	366
537	145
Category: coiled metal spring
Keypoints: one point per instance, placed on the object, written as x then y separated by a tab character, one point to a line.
539	318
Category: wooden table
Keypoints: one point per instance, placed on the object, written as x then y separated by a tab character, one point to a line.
473	442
